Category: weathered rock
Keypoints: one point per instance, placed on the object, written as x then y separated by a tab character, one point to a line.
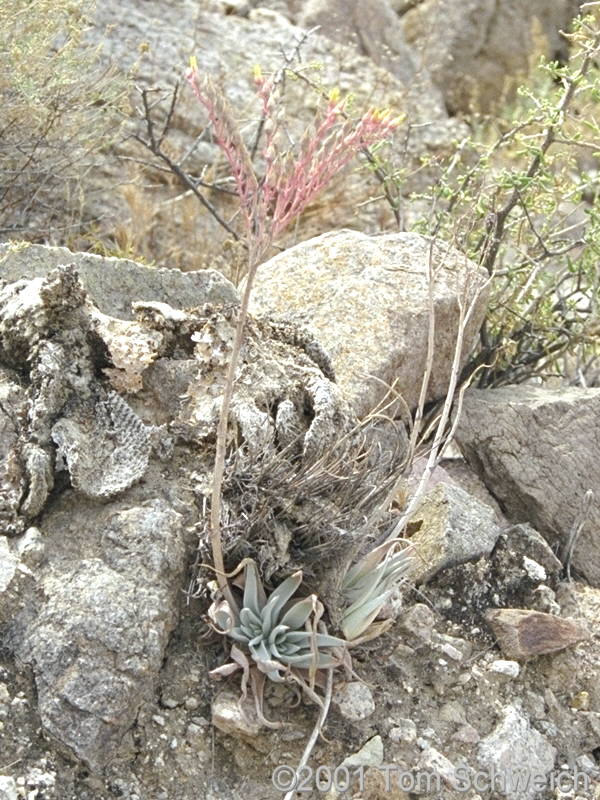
355	700
451	528
12	477
227	47
15	580
435	764
459	650
509	668
501	579
479	50
377	34
458	471
467	734
523	634
31	547
524	541
18	556
575	672
98	643
113	284
419	622
366	298
404	730
8	788
516	750
231	718
369	755
538	451
104	569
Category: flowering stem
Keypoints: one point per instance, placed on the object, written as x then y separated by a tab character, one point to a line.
255	251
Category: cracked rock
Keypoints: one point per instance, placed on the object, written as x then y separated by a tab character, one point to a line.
538	452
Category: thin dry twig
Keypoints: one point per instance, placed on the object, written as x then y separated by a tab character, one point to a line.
154	145
316	731
571	543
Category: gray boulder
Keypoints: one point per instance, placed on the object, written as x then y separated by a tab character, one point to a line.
538	451
98	643
366	298
451	528
477	50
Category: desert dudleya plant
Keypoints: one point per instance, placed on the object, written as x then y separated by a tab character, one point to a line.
280	635
368	585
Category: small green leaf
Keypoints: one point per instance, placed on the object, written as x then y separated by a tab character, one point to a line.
278	598
254	593
298	613
358	620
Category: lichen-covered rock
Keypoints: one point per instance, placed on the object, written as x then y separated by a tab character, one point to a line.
12	473
538	451
366	298
98	643
355	700
105	446
15	578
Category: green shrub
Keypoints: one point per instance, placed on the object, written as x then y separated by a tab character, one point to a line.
521	197
58	111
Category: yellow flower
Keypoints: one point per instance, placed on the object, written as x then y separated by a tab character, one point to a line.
334	95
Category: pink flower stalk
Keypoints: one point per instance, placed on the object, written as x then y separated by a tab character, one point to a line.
289	184
229	140
268	206
328	152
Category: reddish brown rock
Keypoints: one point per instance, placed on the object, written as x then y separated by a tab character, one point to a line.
522	633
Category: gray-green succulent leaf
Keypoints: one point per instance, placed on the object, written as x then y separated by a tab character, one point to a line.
278	633
368	585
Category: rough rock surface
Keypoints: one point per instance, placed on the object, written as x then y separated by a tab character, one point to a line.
114	284
523	633
515	745
115	485
476	50
366	298
103	667
451	528
228	46
538	451
377	34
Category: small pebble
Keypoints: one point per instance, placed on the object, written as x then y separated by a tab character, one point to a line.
405	730
467	734
581	701
355	700
509	668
